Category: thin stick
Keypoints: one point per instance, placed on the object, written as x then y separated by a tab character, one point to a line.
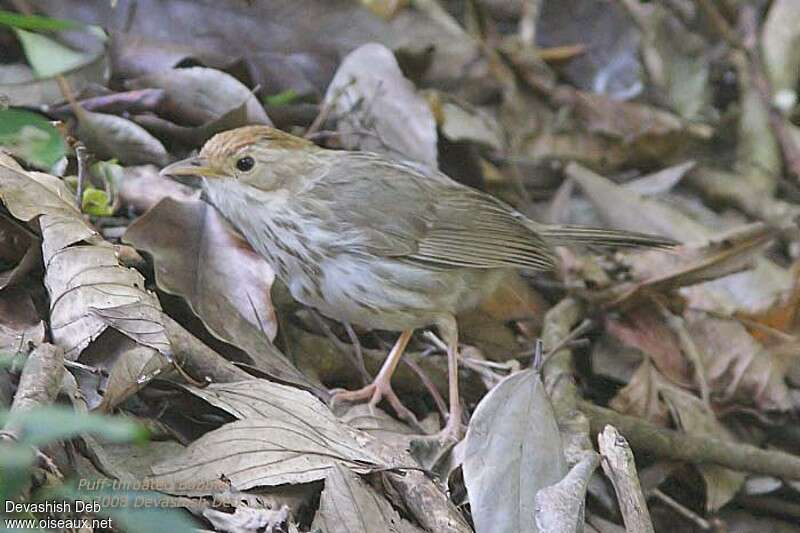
358	352
682	510
84	160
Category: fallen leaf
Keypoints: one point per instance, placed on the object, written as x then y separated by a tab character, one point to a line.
738	368
258	452
143	187
693	416
82	272
513	449
378	109
113	137
20	324
199	257
348	505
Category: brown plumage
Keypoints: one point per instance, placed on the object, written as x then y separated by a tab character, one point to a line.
375	242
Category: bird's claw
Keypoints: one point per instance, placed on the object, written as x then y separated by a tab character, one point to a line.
374	393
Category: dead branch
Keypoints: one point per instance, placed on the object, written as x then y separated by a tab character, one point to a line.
620	468
675	445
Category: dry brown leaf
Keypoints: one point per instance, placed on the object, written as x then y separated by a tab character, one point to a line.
641	396
286	436
20	324
693	416
379	110
113	137
82	272
348	505
738	368
643	328
199	257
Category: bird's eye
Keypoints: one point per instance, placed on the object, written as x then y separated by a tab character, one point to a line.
245	163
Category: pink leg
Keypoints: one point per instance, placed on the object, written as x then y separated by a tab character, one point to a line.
454	429
381	387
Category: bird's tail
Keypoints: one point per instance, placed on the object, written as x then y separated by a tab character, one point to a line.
578	235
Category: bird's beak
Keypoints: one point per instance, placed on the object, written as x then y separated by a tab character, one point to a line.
192	166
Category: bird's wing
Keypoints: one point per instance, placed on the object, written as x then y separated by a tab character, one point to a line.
402	210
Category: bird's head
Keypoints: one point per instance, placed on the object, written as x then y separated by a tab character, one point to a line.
259	156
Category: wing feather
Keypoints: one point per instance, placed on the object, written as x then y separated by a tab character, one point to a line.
400	210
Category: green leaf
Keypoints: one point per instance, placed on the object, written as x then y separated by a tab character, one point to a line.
31	137
36	22
48	57
282	98
132	511
47	424
96	202
16	462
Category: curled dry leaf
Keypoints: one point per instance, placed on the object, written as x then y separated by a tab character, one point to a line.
199	257
199	95
750	290
379	110
348	505
113	137
19	321
513	449
82	272
286	436
200	102
739	371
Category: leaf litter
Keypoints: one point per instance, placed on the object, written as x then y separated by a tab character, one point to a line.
677	118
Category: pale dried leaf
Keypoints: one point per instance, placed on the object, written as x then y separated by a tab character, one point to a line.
513	449
348	505
693	416
113	137
197	96
257	452
379	110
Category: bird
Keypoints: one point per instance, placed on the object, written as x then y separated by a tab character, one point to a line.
375	241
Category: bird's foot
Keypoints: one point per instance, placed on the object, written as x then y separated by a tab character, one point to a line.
452	433
374	393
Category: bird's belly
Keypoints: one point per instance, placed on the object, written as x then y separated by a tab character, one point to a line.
386	293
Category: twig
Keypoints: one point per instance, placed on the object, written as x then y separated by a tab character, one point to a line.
429	385
342	347
358	352
676	445
86	368
572	336
527	21
682	510
84	161
689	348
620	468
557	376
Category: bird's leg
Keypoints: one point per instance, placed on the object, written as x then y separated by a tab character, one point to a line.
381	387
454	429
